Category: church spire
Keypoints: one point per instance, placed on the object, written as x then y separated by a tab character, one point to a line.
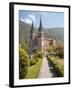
32	31
40	31
40	27
31	39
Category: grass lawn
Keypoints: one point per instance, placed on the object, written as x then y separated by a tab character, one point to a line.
34	70
58	64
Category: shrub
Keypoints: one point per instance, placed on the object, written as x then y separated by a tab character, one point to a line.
35	58
50	49
60	51
58	65
38	55
23	62
33	70
32	62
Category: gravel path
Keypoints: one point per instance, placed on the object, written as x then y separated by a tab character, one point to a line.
46	70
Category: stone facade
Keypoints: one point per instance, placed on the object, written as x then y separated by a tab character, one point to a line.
38	42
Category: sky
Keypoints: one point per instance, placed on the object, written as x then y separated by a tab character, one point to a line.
49	19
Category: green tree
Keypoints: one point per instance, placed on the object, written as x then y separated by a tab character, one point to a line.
23	62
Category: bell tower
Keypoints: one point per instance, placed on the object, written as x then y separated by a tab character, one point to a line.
40	36
40	28
31	39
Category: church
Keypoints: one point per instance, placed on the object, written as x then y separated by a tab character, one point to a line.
38	42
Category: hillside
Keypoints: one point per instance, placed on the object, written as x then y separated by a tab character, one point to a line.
57	33
24	33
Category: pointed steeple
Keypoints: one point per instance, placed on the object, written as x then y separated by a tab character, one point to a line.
40	27
40	31
31	39
32	31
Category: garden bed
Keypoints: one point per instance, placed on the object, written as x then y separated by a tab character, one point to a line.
57	64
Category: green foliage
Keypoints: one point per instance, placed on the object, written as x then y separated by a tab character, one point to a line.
23	62
33	61
24	45
38	55
50	49
34	70
35	58
35	64
24	30
58	65
60	51
57	33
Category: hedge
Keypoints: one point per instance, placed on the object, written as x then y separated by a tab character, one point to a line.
59	67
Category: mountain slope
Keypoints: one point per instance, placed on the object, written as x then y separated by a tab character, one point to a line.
57	33
24	33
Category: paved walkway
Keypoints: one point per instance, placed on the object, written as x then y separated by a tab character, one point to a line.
46	70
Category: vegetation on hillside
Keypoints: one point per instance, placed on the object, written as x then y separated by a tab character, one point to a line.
25	28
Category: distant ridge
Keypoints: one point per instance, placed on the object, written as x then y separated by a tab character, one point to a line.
24	33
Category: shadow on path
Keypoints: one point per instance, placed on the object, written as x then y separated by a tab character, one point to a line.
51	68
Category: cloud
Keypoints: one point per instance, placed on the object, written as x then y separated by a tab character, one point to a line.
21	19
31	17
28	19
